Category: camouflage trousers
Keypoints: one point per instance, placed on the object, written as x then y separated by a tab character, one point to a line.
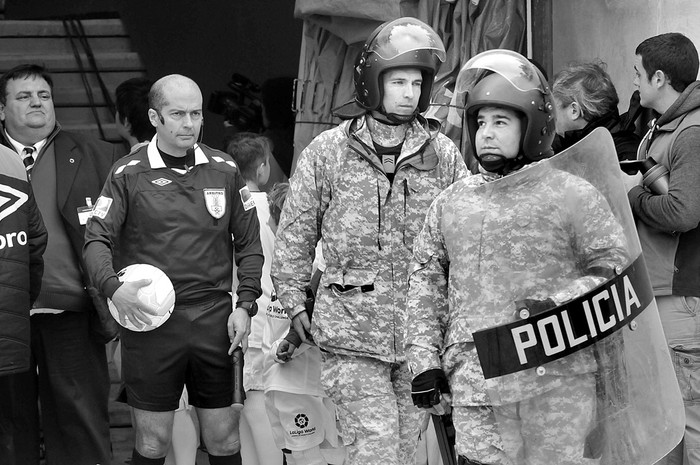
379	424
546	429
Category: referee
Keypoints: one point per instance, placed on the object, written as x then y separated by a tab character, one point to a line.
175	204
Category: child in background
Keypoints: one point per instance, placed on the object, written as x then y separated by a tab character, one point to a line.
252	155
301	415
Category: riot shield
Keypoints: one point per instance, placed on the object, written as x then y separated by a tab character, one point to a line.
574	358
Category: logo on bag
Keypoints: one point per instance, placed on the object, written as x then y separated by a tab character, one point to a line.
302	422
215	199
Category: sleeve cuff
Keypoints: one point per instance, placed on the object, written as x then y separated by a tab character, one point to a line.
292	312
110	286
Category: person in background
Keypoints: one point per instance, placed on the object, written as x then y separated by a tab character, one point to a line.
70	322
362	189
131	114
303	417
136	129
21	267
666	69
585	98
184	208
252	154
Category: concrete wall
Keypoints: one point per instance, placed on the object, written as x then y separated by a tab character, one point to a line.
612	29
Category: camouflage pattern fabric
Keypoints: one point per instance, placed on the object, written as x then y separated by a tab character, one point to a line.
552	425
340	194
368	393
530	235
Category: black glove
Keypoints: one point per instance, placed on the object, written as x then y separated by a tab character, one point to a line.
427	387
533	306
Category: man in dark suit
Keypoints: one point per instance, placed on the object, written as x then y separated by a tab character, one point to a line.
69	367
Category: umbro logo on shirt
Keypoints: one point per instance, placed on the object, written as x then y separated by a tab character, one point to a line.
161	182
10	200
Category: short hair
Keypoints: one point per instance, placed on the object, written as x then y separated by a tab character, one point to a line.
276	198
132	105
674	54
24	71
590	86
249	150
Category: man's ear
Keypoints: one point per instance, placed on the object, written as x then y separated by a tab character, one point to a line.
2	112
575	111
260	172
153	117
659	78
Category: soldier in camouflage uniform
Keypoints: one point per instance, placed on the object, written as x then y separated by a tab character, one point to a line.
362	189
519	235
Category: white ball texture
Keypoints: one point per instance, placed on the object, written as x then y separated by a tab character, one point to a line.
159	294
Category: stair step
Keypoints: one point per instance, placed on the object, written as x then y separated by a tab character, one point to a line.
32	46
92	27
121	61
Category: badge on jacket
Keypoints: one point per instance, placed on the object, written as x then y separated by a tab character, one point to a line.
215	199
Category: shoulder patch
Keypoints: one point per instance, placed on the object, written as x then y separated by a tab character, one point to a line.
102	207
123	167
230	163
246	198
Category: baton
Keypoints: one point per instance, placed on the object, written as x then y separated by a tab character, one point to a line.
237	378
445	432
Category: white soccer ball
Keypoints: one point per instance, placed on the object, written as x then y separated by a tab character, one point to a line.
159	294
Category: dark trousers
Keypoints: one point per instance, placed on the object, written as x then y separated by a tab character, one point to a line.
19	438
73	389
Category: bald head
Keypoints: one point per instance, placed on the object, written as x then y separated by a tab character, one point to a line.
176	112
167	86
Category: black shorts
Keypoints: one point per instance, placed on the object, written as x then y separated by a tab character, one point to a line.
191	349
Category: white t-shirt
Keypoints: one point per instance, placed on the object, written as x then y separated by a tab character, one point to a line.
267	302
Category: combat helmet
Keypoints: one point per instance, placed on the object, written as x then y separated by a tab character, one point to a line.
504	78
403	42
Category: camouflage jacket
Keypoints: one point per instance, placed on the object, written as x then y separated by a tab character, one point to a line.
339	194
537	234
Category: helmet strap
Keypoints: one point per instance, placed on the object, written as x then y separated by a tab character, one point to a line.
392	119
498	164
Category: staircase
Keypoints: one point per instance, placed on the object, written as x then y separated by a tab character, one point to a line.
87	59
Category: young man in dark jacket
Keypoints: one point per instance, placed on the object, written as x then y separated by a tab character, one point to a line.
666	68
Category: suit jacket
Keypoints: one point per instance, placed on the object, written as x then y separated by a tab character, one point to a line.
82	166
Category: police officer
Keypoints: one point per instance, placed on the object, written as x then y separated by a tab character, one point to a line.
362	189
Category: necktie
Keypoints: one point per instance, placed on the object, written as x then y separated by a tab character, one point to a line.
28	158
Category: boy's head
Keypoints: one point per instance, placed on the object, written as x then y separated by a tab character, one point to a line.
276	198
506	95
132	109
251	153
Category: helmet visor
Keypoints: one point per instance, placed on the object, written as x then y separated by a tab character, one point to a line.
511	65
406	35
